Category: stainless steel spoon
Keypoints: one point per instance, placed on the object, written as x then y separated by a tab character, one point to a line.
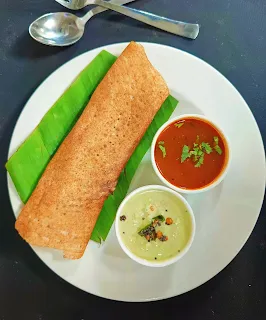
63	29
50	29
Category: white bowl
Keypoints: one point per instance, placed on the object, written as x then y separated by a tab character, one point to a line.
212	184
145	262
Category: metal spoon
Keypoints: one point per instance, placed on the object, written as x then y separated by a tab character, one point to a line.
51	28
64	29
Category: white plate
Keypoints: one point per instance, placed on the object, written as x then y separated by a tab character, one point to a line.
225	216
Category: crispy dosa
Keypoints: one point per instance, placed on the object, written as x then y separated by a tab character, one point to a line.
64	207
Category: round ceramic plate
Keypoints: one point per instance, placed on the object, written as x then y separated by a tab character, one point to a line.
225	216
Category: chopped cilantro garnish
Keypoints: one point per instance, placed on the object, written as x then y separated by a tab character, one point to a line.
199	150
179	125
185	153
200	161
162	148
206	147
200	153
218	149
196	153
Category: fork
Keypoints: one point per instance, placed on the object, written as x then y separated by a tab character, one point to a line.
80	4
188	30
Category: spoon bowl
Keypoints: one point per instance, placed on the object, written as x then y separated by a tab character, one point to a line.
57	29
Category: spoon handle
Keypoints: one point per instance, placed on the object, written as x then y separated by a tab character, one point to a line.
98	9
187	30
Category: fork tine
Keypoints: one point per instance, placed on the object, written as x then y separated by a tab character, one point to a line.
72	5
64	3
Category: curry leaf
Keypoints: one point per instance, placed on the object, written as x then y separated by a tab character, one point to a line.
159	217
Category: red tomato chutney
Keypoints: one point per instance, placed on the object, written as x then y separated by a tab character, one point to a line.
190	153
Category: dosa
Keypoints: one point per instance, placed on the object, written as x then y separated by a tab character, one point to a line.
64	207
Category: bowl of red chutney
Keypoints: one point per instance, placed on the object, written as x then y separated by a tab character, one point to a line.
190	154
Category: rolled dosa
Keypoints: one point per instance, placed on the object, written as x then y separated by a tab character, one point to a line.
63	209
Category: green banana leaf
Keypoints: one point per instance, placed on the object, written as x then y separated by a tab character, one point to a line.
27	164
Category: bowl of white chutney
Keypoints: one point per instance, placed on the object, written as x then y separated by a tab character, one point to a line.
155	226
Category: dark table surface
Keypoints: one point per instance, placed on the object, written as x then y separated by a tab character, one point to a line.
232	39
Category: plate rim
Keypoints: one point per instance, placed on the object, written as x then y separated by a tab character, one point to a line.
122	44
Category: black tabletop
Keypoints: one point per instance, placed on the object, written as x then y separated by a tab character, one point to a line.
232	39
